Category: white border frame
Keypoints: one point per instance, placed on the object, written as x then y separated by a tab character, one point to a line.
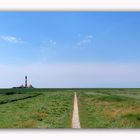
70	5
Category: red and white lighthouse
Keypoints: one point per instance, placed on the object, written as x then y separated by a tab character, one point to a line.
25	81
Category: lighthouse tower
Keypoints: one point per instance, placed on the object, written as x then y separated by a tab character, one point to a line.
25	81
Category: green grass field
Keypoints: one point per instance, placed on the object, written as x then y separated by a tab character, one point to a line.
109	108
35	108
52	108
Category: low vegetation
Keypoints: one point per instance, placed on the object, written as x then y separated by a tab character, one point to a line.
36	108
52	108
109	108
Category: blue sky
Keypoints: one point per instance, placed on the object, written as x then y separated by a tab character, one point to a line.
70	49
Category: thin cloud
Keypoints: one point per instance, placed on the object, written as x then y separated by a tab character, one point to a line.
49	43
86	41
11	39
89	37
52	42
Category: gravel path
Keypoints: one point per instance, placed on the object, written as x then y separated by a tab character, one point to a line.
75	117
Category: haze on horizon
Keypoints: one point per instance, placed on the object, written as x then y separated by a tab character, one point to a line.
70	49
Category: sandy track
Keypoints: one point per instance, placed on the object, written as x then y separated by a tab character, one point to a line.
75	117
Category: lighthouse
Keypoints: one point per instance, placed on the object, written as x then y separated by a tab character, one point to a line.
25	81
25	85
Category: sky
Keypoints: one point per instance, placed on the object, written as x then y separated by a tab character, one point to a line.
70	49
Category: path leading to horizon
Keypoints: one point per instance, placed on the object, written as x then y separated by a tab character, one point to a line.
75	116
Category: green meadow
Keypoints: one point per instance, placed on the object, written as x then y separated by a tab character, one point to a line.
35	108
109	108
52	108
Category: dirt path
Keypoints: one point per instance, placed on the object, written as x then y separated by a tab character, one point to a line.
75	116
